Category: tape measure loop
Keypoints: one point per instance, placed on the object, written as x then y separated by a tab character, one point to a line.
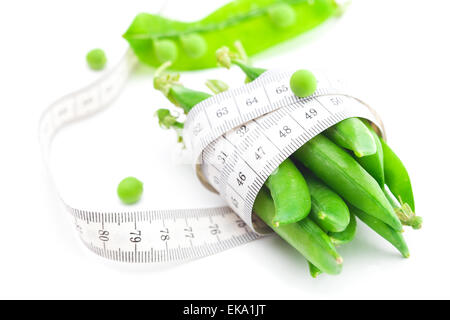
239	137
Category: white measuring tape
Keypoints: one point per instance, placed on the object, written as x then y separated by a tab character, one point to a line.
238	138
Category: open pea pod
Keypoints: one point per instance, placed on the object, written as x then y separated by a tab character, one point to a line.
258	24
305	236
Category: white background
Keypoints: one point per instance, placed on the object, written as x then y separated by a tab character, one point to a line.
395	53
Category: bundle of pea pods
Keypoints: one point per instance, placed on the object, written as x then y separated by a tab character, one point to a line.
313	198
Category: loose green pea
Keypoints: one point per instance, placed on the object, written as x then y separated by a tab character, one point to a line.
130	190
282	15
96	59
165	50
194	45
303	83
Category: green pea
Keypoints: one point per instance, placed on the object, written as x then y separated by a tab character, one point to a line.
303	83
130	190
194	45
282	15
165	50
96	59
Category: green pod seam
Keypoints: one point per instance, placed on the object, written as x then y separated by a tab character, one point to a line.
305	236
258	24
341	238
328	210
344	175
397	177
391	235
289	193
352	134
374	163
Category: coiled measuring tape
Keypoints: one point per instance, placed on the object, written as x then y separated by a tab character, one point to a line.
237	139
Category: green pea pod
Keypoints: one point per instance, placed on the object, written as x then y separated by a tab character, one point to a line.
374	163
397	177
313	270
290	194
340	238
174	91
391	235
305	236
186	98
352	134
251	72
344	175
258	24
328	210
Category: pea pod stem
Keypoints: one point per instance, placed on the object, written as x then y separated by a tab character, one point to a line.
226	58
179	95
403	211
216	86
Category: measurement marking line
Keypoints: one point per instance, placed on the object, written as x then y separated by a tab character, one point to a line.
240	156
262	131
